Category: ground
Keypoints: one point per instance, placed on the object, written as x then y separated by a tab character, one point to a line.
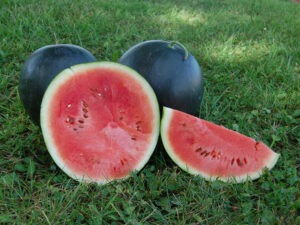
249	54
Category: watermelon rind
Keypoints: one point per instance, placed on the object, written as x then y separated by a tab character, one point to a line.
63	77
165	124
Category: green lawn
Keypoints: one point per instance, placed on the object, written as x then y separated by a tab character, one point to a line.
249	52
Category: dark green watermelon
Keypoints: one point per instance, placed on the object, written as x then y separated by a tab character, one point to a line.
41	67
172	71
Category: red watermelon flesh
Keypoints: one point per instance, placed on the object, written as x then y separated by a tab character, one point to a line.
203	148
100	121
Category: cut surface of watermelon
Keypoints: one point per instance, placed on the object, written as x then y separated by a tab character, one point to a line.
214	152
100	121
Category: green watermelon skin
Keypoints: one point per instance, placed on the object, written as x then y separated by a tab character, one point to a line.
100	121
172	71
41	67
214	152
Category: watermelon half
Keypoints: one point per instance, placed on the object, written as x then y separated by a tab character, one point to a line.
214	152
100	121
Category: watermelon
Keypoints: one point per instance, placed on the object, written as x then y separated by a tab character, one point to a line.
100	121
214	152
172	71
41	67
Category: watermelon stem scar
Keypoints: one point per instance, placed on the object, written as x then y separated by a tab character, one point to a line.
214	152
186	52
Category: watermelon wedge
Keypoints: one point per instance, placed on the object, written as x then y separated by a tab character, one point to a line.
214	152
100	121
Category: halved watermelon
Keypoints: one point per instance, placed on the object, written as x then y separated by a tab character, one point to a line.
100	121
214	152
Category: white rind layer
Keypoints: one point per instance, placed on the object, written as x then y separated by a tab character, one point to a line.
165	123
63	77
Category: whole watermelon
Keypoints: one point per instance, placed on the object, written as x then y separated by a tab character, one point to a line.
172	71
41	67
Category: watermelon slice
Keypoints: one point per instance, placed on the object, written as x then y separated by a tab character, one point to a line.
100	121
214	152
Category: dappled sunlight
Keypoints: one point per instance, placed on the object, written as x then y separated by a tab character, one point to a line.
231	51
182	16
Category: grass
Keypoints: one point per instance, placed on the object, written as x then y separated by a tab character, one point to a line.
249	52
